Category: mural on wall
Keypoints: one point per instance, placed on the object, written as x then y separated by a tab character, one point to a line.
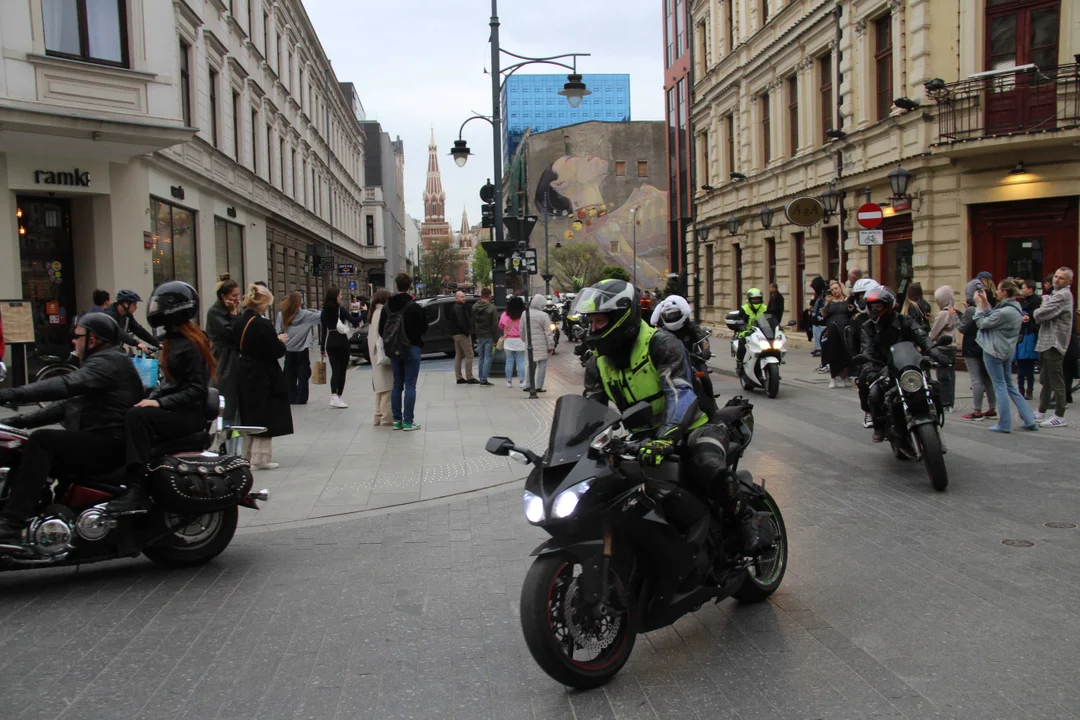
570	193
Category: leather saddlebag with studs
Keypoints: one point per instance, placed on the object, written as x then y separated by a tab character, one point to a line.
195	483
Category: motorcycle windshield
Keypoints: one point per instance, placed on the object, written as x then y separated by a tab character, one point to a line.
767	326
904	355
576	422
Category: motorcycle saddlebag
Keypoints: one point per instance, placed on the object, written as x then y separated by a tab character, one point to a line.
194	483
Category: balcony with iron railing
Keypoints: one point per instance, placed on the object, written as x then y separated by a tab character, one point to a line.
1038	105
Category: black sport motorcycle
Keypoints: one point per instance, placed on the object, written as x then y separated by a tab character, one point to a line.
913	408
631	549
554	322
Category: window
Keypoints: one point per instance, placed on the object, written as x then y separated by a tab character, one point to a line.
702	48
764	12
729	130
798	241
684	161
770	258
288	80
643	168
251	18
766	129
90	30
669	31
269	154
236	125
825	68
620	168
281	163
369	229
710	297
229	249
793	115
737	249
254	145
292	173
703	170
729	33
173	230
213	107
680	28
185	83
266	35
883	64
830	236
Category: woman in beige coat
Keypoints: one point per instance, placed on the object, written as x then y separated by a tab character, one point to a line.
382	377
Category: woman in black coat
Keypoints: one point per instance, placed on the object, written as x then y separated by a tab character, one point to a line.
837	313
264	396
219	320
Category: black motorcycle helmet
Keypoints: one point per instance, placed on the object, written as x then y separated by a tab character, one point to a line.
880	303
101	326
172	304
621	303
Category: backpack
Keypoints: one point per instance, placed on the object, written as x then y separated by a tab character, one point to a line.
395	340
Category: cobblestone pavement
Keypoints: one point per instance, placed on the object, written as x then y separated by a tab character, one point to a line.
899	603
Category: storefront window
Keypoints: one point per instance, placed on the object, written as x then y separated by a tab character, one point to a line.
89	30
229	249
173	229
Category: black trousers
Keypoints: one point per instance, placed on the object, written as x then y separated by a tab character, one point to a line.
297	374
337	354
146	427
51	453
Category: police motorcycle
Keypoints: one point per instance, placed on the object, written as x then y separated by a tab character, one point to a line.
554	312
623	558
764	352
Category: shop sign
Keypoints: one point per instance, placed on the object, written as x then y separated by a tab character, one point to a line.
805	211
46	173
346	269
901	204
76	178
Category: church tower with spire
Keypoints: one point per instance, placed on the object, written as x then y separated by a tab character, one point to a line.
466	247
435	228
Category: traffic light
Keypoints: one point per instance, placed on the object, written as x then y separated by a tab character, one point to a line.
487	210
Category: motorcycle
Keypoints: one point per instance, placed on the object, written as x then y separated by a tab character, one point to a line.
913	408
764	352
623	557
73	528
555	319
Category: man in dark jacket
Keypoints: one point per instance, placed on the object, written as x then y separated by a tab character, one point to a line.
486	329
123	312
93	401
461	327
406	369
775	308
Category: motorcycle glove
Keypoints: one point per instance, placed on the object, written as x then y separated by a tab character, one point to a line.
653	452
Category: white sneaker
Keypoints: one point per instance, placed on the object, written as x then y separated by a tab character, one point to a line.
509	383
266	466
337	402
833	383
867	420
1040	416
1053	422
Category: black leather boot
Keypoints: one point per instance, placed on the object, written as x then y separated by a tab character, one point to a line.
134	502
748	527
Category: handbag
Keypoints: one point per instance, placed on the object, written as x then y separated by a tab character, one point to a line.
318	373
501	342
147	367
193	483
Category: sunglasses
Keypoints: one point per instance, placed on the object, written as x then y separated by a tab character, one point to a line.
75	335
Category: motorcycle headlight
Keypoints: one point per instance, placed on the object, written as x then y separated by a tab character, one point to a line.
566	502
552	327
765	344
779	342
534	508
911	381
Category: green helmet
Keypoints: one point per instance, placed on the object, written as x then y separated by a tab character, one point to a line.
754	296
620	301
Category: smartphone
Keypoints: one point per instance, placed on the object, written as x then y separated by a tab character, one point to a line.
979	286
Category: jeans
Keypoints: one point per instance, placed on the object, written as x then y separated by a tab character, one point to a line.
946	377
515	358
406	370
1000	371
980	384
297	374
541	372
1025	370
486	351
818	329
1052	379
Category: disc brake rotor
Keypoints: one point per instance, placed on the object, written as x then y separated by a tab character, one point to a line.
592	636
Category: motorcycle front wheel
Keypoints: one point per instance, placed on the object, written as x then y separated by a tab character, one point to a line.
566	640
933	455
196	543
765	575
772	380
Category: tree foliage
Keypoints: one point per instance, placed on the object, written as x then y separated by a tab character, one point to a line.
615	272
439	263
576	265
481	268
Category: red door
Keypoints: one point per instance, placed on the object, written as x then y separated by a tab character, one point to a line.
1028	239
1021	32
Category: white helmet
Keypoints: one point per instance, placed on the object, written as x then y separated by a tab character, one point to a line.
672	313
864	285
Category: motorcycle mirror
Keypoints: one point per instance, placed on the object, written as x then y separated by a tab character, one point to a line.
498	445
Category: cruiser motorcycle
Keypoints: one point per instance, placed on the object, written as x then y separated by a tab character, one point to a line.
72	527
913	408
764	353
631	548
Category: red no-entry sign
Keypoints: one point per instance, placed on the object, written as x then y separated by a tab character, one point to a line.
870	215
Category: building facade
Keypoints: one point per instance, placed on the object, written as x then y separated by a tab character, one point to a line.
983	113
202	137
384	203
678	83
532	102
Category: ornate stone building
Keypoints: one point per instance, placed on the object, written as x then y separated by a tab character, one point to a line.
435	228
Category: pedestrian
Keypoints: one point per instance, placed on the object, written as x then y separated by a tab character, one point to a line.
817	322
542	341
973	357
409	316
334	332
461	328
988	283
853	276
1026	356
486	328
264	398
297	323
513	346
1048	284
775	308
915	306
1072	356
1056	322
382	376
944	326
101	300
999	330
837	313
219	321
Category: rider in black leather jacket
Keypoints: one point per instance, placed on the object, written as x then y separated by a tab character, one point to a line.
90	404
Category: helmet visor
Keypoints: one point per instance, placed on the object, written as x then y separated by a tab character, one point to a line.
599	300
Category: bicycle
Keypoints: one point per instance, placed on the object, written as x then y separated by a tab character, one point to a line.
53	366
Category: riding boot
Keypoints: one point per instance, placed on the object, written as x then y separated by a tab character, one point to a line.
134	502
747	525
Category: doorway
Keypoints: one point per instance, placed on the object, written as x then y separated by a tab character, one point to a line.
897	255
46	257
1018	33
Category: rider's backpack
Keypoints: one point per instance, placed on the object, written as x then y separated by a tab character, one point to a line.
395	339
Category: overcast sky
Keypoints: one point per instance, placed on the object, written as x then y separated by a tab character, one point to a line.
419	64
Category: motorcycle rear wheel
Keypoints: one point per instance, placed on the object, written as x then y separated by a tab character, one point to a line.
763	579
933	455
546	619
197	543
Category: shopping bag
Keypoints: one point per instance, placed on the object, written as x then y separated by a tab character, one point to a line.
147	368
318	373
